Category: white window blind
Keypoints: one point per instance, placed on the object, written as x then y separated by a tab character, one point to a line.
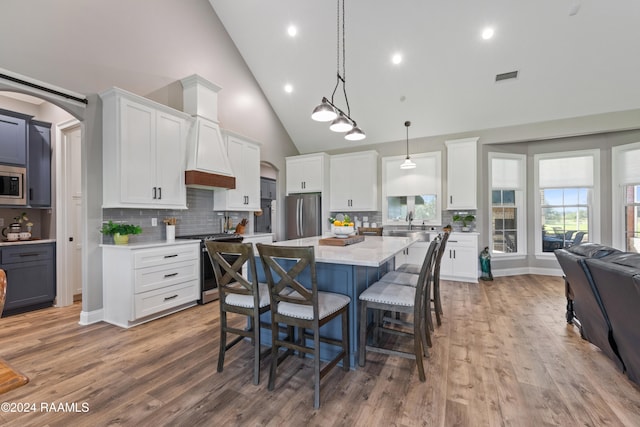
506	173
630	170
566	172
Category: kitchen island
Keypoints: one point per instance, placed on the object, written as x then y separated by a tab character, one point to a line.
347	270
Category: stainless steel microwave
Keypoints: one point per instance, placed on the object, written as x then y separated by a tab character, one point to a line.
12	182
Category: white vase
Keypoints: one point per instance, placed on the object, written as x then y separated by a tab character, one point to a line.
171	233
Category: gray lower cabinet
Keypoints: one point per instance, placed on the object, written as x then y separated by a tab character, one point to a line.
31	276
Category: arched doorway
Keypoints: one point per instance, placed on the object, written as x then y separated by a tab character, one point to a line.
72	112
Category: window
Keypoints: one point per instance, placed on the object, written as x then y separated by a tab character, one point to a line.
507	182
568	199
424	208
416	191
632	218
565	217
626	197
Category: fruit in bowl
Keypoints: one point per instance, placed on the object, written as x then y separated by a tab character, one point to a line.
343	231
342	226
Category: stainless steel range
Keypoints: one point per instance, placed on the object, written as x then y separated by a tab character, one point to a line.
208	282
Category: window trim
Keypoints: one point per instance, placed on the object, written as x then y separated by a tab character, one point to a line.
396	161
617	194
594	214
521	205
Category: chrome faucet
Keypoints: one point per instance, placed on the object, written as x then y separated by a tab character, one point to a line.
410	218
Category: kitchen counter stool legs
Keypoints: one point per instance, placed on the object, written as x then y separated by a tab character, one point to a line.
239	295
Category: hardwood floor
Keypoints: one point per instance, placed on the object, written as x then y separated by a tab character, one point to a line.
503	356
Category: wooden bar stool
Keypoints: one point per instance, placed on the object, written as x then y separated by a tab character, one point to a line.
306	309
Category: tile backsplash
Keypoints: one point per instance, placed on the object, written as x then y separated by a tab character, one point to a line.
198	219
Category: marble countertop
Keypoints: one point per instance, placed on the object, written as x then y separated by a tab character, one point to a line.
26	242
373	252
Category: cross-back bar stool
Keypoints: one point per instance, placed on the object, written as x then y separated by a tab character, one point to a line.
305	308
239	295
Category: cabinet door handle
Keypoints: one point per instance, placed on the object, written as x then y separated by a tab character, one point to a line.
454	253
171	256
159	193
171	297
30	193
27	254
170	275
155	189
450	199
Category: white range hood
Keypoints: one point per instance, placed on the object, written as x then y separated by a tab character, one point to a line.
208	166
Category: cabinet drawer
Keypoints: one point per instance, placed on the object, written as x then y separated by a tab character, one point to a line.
162	256
147	279
27	253
148	303
462	240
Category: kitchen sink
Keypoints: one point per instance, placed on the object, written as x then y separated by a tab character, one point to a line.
419	235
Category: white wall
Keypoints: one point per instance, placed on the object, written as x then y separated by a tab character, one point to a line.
145	47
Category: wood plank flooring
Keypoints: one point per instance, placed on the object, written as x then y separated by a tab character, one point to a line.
504	356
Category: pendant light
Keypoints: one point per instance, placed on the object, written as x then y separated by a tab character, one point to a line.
407	164
327	111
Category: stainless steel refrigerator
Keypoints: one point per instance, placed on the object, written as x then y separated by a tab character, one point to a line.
303	216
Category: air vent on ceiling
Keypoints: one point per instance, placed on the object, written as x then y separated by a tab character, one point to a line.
507	76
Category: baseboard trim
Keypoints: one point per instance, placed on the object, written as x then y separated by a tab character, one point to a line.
527	270
90	317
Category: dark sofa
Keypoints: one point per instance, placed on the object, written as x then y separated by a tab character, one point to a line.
618	281
603	298
584	304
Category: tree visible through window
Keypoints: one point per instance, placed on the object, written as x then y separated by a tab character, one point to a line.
504	220
565	217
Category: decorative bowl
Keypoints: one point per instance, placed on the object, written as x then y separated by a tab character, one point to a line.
343	231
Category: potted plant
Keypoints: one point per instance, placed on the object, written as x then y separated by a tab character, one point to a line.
120	232
465	220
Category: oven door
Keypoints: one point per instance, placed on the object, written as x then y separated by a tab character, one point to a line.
208	278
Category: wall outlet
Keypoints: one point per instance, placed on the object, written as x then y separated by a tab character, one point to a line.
154	222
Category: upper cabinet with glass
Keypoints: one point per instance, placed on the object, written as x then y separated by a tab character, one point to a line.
417	191
462	174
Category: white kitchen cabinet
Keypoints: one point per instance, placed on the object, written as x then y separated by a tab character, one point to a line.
462	173
460	258
354	182
144	153
142	282
244	157
307	173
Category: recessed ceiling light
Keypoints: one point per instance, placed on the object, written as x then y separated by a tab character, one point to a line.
487	33
288	88
396	58
292	30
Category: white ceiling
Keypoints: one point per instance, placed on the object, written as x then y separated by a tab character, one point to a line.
570	66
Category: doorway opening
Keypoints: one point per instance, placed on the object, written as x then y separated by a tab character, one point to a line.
59	221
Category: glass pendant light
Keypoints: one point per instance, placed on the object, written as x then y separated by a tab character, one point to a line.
407	164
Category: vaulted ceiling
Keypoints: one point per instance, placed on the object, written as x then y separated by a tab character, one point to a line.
574	58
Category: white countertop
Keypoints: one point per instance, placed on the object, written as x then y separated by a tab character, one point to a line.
373	252
26	242
156	244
